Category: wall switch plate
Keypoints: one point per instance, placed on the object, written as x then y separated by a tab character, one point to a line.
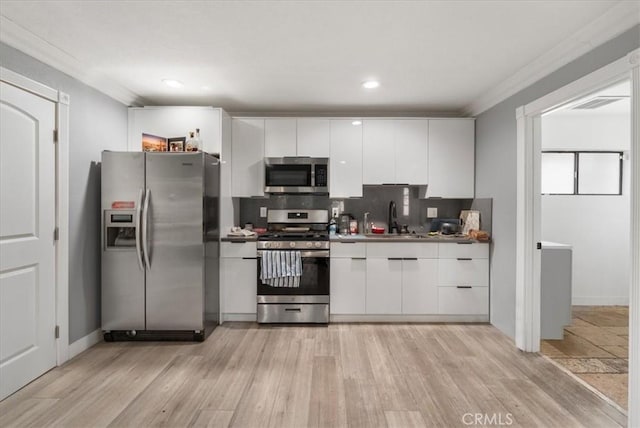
263	212
432	212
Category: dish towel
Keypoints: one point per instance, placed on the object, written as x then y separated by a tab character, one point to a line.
281	268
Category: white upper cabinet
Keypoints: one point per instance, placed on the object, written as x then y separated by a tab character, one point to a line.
279	137
451	158
345	169
171	122
247	157
395	151
411	151
314	136
378	151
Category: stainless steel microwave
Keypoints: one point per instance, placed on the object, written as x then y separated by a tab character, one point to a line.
296	175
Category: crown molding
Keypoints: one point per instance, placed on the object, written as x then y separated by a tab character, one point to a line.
20	38
615	21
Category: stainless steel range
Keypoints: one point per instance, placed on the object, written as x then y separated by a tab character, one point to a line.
293	267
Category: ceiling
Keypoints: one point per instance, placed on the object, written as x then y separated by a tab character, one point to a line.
287	56
620	107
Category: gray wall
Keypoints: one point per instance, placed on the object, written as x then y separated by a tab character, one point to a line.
97	122
496	167
375	200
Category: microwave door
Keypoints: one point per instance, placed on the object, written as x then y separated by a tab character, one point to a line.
288	178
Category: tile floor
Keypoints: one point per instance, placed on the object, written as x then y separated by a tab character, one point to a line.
596	349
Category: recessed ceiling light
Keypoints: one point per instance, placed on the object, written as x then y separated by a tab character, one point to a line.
370	84
172	83
356	123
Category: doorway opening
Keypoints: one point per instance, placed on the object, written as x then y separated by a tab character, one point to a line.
585	216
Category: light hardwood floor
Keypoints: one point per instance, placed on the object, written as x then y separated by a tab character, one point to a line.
359	375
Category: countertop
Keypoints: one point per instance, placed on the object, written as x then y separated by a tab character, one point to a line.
253	238
372	238
402	238
546	245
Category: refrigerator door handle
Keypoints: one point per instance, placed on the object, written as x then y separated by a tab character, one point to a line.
138	231
145	226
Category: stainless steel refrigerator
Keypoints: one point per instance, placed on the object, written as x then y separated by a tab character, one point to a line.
160	245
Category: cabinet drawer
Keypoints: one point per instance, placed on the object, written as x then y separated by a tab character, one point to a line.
463	301
454	250
402	250
348	249
238	249
454	272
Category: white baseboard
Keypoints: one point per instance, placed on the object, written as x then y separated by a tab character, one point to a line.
408	318
600	301
238	317
85	343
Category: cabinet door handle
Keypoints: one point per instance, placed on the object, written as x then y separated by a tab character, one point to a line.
394	258
292	310
464	243
464	258
249	258
463	286
410	258
347	242
235	241
358	258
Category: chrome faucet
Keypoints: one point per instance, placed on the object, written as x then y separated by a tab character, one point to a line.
393	218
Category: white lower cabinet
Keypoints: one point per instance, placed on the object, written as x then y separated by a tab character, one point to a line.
463	279
384	286
463	300
238	285
348	285
410	279
419	286
238	276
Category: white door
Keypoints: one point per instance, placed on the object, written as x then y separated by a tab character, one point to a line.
384	286
345	167
27	220
239	285
247	157
314	137
378	152
420	286
279	138
451	158
411	151
348	285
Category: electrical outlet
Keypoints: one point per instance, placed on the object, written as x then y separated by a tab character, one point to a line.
263	212
432	212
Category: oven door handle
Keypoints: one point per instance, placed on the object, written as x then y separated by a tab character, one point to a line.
320	254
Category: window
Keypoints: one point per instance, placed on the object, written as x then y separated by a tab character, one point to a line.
581	173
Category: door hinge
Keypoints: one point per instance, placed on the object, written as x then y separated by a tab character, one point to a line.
57	332
539	246
56	234
55	136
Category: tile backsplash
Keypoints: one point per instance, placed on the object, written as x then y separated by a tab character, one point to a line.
411	209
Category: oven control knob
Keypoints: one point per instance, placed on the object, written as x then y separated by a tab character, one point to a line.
292	244
309	244
317	244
